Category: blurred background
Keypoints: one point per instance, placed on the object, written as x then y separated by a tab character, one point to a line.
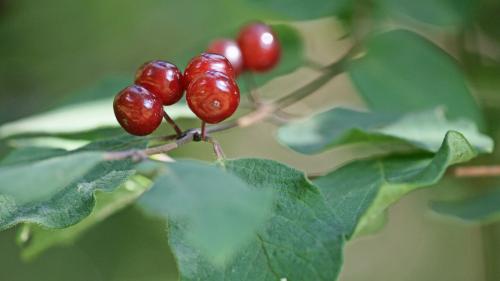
53	51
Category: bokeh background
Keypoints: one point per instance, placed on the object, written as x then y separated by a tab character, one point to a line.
51	51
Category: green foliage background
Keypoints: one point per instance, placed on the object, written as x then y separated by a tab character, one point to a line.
51	51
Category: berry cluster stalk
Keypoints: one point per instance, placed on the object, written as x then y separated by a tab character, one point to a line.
263	111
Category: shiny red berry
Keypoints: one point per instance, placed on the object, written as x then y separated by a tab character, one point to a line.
207	62
260	47
213	97
230	49
138	110
162	79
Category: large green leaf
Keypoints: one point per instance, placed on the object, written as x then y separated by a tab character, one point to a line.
338	126
361	191
56	189
297	9
484	208
402	71
218	211
35	239
301	241
439	12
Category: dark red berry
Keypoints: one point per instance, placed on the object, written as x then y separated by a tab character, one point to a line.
228	48
162	79
138	110
207	62
259	46
213	97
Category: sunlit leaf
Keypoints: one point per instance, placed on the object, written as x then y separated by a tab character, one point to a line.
338	126
75	119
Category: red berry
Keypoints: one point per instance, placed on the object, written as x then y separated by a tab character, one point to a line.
213	97
162	79
230	49
207	62
138	110
260	47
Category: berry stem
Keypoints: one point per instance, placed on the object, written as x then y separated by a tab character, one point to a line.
203	131
170	121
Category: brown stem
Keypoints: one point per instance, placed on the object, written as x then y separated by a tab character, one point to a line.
203	131
217	148
170	121
144	153
313	86
477	171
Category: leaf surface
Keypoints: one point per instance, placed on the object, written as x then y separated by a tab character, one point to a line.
338	126
404	72
361	191
301	241
55	188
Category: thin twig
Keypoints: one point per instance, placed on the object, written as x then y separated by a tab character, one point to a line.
477	171
217	148
281	117
170	121
313	86
137	155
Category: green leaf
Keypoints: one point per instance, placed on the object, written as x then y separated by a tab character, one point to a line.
483	208
56	189
30	184
361	191
487	20
35	239
218	211
47	142
338	126
402	71
438	12
301	241
29	154
297	9
76	119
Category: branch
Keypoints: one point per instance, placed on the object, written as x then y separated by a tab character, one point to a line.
477	171
329	73
138	155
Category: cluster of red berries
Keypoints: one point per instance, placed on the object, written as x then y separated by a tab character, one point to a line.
209	81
